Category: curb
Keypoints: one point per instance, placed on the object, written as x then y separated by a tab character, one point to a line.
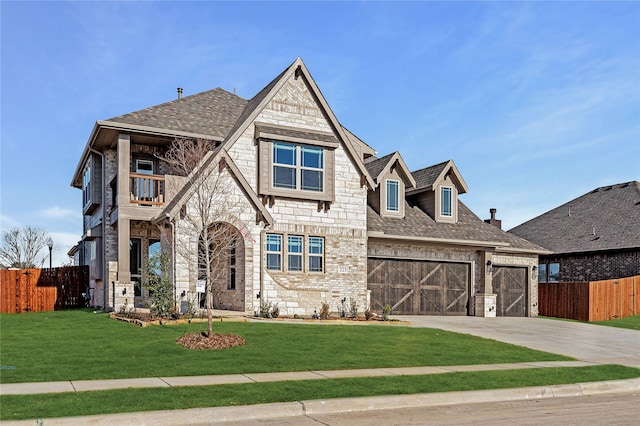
205	416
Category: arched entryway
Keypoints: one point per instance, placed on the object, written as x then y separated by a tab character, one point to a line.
227	267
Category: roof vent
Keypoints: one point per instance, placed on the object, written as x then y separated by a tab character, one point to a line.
179	92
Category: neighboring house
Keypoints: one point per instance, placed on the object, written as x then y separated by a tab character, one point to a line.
593	237
317	217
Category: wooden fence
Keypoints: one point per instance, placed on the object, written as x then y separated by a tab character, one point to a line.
590	301
41	290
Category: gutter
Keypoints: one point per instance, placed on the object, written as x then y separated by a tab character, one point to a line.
448	241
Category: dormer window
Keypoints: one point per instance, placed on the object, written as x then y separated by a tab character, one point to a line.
446	201
393	195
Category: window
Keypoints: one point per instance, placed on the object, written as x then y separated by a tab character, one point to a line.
274	252
294	253
549	272
135	264
86	186
393	196
446	205
231	285
298	167
554	272
316	254
542	273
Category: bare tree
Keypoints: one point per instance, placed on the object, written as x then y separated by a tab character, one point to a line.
207	218
21	247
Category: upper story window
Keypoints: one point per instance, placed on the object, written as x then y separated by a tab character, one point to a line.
298	167
91	184
446	201
393	195
296	163
86	186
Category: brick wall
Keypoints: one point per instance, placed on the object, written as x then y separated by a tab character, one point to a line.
596	266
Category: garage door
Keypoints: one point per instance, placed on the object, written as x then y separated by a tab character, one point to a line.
510	287
416	287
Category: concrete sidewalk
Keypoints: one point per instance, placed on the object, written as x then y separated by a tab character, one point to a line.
262	412
163	382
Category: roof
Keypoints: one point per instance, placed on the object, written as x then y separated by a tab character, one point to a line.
470	230
607	218
429	177
218	115
213	112
378	167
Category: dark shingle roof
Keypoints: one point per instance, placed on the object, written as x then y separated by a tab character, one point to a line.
375	165
213	113
470	227
606	218
427	176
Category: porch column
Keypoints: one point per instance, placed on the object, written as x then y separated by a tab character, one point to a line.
124	166
124	235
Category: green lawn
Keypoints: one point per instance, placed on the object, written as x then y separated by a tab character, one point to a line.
16	407
632	322
75	345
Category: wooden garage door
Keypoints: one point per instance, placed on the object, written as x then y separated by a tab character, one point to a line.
413	287
510	287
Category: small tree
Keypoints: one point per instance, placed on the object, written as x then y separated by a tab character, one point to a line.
159	284
212	207
21	247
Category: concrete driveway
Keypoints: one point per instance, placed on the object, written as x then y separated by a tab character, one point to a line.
586	342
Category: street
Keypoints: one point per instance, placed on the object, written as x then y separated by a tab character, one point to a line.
607	409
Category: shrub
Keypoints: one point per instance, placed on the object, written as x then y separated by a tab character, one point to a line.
275	311
367	314
265	309
385	312
324	311
353	308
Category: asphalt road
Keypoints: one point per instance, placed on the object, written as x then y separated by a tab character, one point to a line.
610	409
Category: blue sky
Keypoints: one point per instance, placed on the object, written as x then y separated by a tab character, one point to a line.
537	103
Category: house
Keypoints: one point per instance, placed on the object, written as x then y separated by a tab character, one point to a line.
593	237
316	216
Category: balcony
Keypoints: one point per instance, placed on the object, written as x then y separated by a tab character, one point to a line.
146	190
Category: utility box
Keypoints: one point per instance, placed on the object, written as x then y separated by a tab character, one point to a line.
485	305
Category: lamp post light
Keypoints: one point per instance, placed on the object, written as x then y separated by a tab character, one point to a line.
50	244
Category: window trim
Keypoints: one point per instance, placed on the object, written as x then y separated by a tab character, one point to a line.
266	170
273	252
299	254
305	254
321	256
387	198
443	190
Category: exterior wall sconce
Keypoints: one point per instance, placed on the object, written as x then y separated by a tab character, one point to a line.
124	291
489	267
184	293
534	272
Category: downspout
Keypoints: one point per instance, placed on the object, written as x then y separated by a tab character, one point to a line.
173	261
104	218
260	293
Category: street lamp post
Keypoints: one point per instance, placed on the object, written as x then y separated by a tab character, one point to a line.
50	244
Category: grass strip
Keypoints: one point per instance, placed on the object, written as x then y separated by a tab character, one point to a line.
81	345
17	407
632	322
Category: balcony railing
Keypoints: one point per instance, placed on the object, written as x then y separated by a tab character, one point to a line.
147	190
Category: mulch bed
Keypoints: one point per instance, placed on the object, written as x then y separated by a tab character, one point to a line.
216	341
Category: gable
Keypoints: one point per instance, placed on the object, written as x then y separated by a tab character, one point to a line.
293	98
